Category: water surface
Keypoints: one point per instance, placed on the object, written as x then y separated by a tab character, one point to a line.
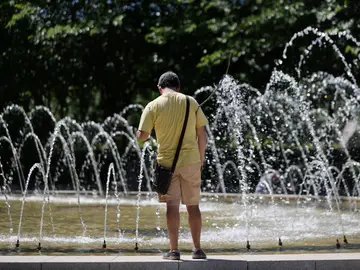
303	225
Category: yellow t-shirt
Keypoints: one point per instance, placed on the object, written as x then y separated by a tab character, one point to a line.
167	114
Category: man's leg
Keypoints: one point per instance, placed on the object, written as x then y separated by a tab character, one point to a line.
194	218
173	222
190	195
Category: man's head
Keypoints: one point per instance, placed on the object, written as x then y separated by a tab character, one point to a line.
169	80
275	177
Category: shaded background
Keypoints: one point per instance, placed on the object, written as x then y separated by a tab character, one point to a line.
89	59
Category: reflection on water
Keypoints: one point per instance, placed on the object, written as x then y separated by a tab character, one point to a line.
303	224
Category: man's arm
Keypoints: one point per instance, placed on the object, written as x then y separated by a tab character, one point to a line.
146	124
201	138
142	135
201	123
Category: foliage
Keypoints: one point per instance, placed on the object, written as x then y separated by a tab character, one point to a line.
89	59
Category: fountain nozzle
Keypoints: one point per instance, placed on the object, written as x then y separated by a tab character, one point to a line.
248	245
337	243
280	242
39	247
17	243
136	247
345	240
104	245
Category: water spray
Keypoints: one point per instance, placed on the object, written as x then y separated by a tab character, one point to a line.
207	99
216	87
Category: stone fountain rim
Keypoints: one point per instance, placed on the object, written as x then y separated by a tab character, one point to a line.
290	197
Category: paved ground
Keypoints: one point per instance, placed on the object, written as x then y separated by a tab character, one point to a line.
336	261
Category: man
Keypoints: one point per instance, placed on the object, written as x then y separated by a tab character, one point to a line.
166	114
269	183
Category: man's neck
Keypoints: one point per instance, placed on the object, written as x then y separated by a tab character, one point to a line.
168	90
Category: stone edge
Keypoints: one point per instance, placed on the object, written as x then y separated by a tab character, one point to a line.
245	261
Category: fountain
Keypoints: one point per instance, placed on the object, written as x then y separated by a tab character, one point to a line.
60	178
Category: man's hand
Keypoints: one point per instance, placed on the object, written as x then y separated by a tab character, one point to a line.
142	135
201	137
202	162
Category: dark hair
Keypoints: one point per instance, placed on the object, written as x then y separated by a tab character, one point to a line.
170	80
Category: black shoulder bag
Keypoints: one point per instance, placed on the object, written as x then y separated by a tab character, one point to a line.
163	175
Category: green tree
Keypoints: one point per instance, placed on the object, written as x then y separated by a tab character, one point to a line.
89	59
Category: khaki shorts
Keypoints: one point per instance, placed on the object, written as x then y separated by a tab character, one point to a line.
184	185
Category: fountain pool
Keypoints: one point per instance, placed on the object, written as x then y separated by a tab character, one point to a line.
303	224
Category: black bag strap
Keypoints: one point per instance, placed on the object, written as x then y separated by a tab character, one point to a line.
181	135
